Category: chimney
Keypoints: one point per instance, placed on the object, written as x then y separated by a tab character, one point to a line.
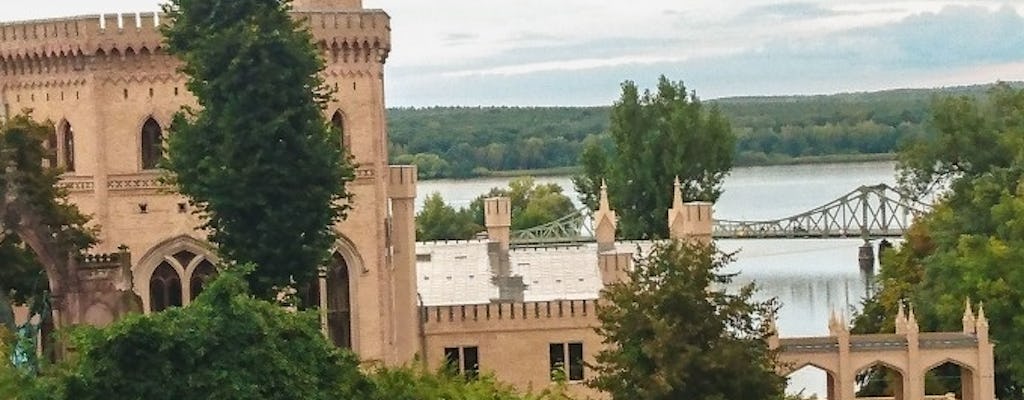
498	220
691	221
605	222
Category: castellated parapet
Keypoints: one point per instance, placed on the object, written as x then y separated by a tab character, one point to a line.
56	46
509	316
402	182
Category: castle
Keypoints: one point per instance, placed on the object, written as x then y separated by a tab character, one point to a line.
520	313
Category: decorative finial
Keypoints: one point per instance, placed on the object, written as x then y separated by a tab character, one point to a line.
677	195
901	320
981	314
604	206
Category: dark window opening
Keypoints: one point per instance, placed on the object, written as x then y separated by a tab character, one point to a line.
339	306
463	360
68	152
338	123
203	274
152	144
566	361
164	288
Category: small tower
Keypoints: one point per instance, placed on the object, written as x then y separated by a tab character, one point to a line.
498	220
689	221
605	222
968	320
614	267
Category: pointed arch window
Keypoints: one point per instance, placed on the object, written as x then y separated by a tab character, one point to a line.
339	303
164	288
203	274
338	123
51	149
67	148
152	144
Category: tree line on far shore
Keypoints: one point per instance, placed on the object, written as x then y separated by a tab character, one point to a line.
461	142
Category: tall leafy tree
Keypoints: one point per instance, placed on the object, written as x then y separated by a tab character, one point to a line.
39	229
658	136
532	204
970	244
257	156
674	332
440	221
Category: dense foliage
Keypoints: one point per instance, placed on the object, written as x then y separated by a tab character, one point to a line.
225	345
258	156
440	221
657	137
676	333
532	205
38	224
971	244
471	141
414	384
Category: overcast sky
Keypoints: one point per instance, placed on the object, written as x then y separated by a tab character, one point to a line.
576	52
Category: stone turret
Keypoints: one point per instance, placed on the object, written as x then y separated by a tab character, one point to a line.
402	192
605	222
689	221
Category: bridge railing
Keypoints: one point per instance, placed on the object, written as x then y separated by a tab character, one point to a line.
868	211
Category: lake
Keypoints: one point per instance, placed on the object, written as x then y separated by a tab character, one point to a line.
810	277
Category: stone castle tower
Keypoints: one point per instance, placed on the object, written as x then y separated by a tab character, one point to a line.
110	89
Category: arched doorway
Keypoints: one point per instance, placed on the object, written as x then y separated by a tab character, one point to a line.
949	377
164	288
880	380
339	302
812	381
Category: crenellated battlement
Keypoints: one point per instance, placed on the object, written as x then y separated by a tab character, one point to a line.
509	315
402	182
69	44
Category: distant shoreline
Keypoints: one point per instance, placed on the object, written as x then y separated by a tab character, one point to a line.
806	160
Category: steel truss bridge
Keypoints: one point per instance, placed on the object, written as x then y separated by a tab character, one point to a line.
866	212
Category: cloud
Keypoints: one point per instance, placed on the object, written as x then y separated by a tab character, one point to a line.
952	45
786	11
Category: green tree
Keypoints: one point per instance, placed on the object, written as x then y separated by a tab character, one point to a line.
676	333
440	221
225	345
39	229
970	244
532	204
258	157
658	137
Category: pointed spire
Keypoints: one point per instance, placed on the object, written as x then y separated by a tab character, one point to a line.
982	321
968	320
981	325
901	320
677	195
912	321
604	206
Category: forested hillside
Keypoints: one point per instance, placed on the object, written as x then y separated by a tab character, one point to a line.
470	141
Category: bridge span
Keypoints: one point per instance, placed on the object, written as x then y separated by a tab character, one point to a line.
866	212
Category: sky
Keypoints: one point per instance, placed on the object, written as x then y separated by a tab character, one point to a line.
578	52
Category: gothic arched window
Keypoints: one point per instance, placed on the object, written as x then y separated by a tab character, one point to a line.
338	122
164	288
67	156
152	144
203	274
339	303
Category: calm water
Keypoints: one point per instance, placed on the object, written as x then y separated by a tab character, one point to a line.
810	277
